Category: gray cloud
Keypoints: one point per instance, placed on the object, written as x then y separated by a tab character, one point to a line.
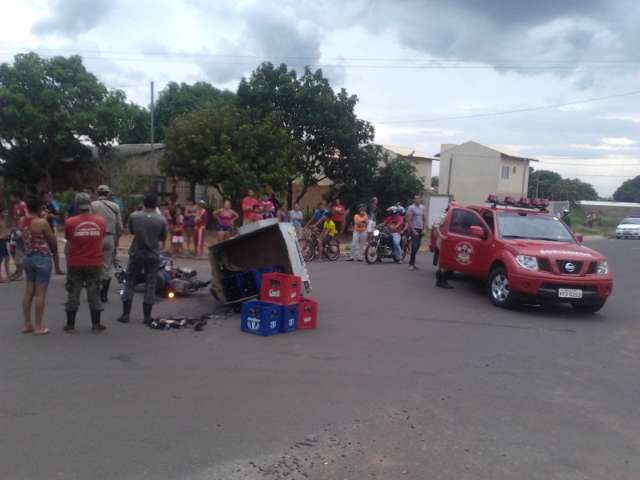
527	36
72	17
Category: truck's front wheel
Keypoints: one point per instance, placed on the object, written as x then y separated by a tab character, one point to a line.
498	289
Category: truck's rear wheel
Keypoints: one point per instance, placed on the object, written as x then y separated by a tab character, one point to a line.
591	307
498	289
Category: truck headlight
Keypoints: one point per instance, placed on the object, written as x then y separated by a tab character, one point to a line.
602	268
528	262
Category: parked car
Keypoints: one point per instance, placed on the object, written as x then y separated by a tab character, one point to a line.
628	228
523	253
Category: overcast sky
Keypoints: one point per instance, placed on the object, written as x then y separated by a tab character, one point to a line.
417	66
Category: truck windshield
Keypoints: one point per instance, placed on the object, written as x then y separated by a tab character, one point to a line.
534	227
631	221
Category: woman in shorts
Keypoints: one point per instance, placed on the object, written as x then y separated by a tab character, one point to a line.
40	244
226	218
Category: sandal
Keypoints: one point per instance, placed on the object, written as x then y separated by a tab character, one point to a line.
27	330
44	331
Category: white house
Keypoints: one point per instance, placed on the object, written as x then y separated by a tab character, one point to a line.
422	161
471	172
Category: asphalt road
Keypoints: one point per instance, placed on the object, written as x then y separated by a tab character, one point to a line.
401	380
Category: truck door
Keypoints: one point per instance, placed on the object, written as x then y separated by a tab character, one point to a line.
463	248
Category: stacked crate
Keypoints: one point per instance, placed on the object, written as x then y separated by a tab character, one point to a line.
281	307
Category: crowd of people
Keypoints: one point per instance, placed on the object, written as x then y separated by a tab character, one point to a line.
93	228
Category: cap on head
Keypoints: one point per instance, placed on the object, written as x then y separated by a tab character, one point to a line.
83	201
104	189
202	203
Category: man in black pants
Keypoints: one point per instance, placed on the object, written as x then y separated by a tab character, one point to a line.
148	230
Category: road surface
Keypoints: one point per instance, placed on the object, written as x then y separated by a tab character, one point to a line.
401	380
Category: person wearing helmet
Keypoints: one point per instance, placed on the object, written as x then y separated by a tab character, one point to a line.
566	217
110	211
396	226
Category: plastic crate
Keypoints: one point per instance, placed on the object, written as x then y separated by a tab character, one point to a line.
259	272
307	314
247	284
289	318
231	289
280	288
260	318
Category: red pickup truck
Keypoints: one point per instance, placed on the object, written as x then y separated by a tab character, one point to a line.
523	253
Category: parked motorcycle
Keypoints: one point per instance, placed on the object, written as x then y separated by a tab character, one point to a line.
171	281
381	246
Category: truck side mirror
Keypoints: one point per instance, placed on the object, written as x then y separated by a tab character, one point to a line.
579	237
477	231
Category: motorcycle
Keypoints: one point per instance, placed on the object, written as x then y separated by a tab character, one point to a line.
381	246
171	281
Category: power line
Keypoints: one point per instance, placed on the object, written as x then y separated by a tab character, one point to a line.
343	62
518	110
493	61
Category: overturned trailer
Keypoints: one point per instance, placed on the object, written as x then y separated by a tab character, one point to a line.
263	244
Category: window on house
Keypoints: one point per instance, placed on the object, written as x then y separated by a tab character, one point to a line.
514	170
505	172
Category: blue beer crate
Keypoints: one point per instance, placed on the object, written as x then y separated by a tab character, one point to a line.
289	319
260	318
231	288
247	284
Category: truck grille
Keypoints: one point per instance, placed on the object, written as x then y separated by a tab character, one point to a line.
570	267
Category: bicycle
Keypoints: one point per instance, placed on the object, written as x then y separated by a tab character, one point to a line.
311	248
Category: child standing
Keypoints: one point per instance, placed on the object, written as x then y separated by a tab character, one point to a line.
4	245
201	220
177	231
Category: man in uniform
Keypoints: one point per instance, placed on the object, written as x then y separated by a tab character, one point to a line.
148	230
110	211
84	233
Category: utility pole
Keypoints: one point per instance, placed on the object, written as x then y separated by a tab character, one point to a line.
152	119
538	186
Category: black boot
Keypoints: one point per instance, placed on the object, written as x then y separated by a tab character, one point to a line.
126	310
70	327
146	308
96	326
104	291
441	279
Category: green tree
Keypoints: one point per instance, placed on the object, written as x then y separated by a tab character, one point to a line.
396	181
177	99
543	183
435	182
227	149
323	129
629	191
47	108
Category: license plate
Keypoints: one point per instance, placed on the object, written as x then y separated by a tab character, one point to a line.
569	293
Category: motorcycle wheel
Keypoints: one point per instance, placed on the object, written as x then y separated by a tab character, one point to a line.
332	249
371	254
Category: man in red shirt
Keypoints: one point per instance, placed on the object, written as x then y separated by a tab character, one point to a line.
338	213
84	233
395	223
248	204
